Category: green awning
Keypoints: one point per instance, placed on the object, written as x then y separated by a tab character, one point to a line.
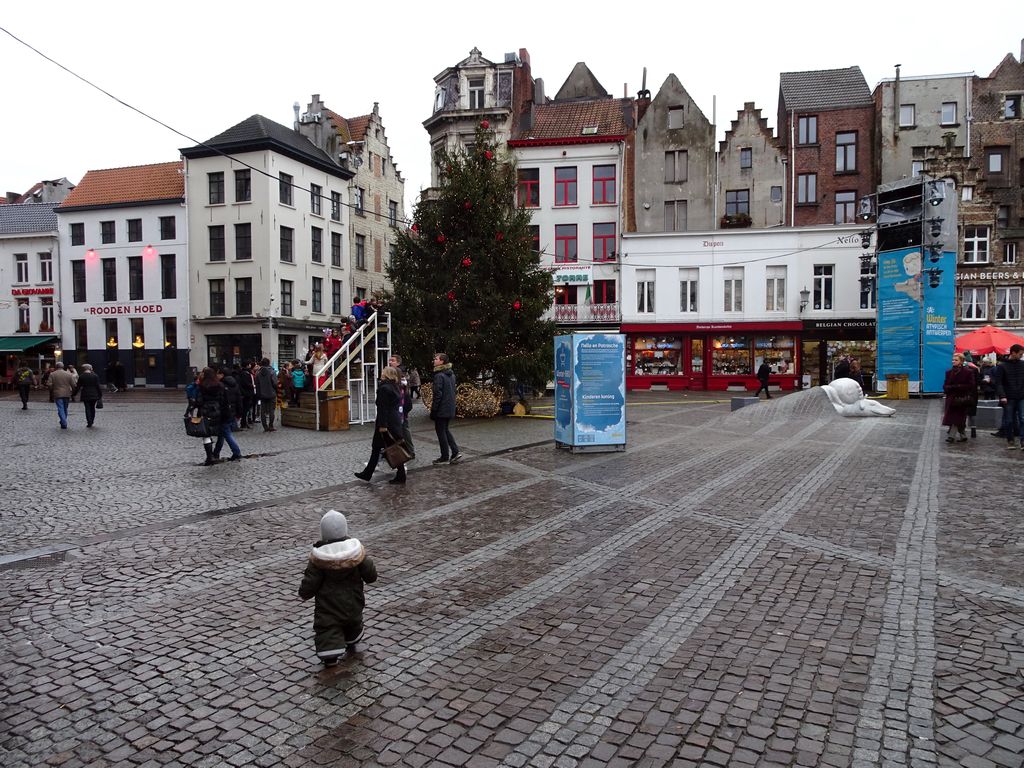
21	343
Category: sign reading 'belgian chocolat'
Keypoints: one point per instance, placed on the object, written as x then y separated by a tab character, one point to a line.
848	329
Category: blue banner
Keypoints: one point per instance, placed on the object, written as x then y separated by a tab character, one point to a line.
599	388
939	335
563	389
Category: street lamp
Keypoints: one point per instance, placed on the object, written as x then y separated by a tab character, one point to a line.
805	297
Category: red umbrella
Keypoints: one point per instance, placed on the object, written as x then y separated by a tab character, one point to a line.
988	339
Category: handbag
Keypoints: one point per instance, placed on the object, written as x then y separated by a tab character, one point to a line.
99	404
396	454
197	426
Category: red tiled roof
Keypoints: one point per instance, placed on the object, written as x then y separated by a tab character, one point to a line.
351	129
568	119
136	184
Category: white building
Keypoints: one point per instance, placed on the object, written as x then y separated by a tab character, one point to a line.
29	325
123	273
268	229
702	310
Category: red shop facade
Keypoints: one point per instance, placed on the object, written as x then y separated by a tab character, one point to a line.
712	356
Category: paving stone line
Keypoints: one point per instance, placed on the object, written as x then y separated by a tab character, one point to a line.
610	689
902	672
434	648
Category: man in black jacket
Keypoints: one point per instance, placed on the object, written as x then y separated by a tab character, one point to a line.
442	409
266	392
1010	391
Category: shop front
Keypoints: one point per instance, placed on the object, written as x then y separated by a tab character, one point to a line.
826	342
711	356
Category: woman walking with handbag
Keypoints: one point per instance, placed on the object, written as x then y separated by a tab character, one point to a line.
388	424
961	391
215	407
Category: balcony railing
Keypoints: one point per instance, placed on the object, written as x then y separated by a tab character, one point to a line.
587	313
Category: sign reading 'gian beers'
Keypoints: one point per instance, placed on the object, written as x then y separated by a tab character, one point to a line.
125	309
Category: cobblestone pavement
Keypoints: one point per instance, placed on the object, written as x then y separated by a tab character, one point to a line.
775	586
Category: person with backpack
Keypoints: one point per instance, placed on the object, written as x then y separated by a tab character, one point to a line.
266	393
25	380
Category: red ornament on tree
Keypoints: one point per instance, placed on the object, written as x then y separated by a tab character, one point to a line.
440	238
415	228
489	155
466	261
517	305
484	124
467	205
451	295
500	236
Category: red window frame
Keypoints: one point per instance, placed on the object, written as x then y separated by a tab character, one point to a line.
534	238
604	292
566	294
528	192
604	241
565	187
604	185
566	245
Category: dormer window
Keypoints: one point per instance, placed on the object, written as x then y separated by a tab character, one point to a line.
438	99
589	130
476	92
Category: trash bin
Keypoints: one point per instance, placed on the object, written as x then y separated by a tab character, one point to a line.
897	386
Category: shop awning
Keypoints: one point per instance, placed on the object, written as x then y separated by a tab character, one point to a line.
21	343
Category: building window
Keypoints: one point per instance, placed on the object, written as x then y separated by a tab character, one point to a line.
565	186
46	323
243	186
109	280
867	284
733	289
168	276
215	183
335	297
807	129
476	93
135	278
566	294
358	194
318	294
243	242
393	213
737	201
217	298
823	277
168	228
645	291
45	268
392	254
996	161
1002	216
134	230
528	190
746	157
907	118
243	295
688	290
287	244
604	184
1008	303
316	193
81	335
217	252
776	194
565	243
604	292
675	215
604	242
78	281
675	117
975	245
916	168
78	234
316	244
24	316
676	166
21	267
846	152
846	202
336	206
775	289
284	188
286	298
360	251
1012	106
335	249
974	303
534	230
947	116
107	232
1009	253
807	188
967	193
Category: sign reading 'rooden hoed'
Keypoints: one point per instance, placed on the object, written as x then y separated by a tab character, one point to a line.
125	309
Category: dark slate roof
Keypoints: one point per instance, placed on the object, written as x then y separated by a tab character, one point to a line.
824	89
258	132
27	218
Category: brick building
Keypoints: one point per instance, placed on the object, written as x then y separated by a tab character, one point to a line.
826	131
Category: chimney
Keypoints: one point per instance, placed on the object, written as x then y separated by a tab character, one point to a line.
296	108
538	91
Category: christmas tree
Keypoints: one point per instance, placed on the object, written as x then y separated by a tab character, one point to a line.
467	279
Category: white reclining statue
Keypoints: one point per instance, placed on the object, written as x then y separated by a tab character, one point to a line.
848	399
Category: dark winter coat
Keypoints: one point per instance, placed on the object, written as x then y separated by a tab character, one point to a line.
234	395
388	399
1010	381
266	383
763	373
214	405
442	405
247	383
960	388
335	576
89	386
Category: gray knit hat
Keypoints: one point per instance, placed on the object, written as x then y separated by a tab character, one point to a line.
333	526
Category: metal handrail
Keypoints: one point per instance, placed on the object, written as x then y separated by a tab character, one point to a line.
369	334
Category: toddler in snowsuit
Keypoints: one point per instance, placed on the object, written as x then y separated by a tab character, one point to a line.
338	566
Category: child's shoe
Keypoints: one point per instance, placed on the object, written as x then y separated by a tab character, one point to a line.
330	661
350	649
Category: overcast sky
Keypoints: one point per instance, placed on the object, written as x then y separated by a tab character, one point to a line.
201	67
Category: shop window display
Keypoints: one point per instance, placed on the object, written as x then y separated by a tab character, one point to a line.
697	355
657	355
777	351
730	356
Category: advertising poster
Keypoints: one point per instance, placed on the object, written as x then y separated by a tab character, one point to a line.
590	391
563	389
939	335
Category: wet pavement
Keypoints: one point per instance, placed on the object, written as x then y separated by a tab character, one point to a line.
775	586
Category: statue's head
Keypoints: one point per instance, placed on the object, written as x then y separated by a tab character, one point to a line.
848	390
